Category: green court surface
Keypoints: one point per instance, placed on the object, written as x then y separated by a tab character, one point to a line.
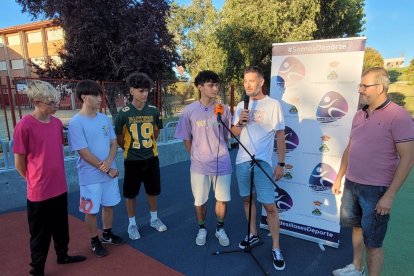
399	242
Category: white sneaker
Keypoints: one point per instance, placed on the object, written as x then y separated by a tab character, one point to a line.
222	237
348	270
133	232
201	237
157	224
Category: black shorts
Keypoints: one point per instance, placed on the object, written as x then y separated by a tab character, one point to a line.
137	171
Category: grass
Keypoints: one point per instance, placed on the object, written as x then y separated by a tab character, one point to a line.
398	244
401	91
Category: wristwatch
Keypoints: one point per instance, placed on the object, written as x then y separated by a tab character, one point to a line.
281	164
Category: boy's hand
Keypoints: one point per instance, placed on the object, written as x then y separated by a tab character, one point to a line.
113	172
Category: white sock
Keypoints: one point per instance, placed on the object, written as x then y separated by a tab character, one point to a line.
154	215
132	221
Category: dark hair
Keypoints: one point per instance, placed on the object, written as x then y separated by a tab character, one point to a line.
87	87
254	69
139	80
206	76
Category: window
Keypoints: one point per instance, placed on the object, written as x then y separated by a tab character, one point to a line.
34	37
3	66
1	41
13	40
54	34
17	64
39	61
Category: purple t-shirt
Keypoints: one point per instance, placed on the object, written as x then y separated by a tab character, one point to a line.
209	152
373	157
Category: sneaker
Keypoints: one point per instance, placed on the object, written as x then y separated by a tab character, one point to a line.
112	239
133	232
222	237
70	259
98	249
254	239
278	261
201	236
157	224
349	270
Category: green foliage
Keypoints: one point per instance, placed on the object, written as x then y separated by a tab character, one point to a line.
372	58
340	18
409	73
107	39
242	33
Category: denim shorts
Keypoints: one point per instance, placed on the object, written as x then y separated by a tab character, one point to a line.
358	210
265	191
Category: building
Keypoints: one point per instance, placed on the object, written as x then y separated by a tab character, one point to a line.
27	44
394	62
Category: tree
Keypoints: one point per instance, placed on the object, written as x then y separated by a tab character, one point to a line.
194	28
372	58
242	33
107	40
339	18
409	72
249	28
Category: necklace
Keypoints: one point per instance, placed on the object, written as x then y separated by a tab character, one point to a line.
202	106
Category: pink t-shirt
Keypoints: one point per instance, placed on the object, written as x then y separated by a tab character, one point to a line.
42	145
373	157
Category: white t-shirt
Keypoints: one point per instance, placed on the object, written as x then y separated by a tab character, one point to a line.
258	136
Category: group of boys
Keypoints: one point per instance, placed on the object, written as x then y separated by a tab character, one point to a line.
204	126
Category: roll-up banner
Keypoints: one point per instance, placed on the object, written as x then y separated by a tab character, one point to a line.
316	83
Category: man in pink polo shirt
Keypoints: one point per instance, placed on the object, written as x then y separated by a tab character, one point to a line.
376	162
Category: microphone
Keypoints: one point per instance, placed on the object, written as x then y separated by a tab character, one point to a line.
218	111
246	100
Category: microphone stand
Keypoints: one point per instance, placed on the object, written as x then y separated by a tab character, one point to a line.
248	248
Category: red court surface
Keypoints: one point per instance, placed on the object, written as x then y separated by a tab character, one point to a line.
121	260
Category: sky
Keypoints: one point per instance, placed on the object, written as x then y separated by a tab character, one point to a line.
389	27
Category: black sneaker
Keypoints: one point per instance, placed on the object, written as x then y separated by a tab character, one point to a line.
111	238
70	259
98	249
253	240
278	261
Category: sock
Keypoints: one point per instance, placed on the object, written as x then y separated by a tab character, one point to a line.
95	240
201	224
107	232
220	224
132	221
154	215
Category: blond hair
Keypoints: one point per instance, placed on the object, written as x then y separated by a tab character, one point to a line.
42	91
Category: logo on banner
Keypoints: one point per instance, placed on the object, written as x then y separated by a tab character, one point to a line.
283	200
322	177
324	147
317	208
291	140
333	68
332	107
290	71
288	174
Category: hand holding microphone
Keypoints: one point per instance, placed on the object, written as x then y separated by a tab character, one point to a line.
218	111
244	114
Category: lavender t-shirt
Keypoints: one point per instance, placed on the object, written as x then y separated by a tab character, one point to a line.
209	152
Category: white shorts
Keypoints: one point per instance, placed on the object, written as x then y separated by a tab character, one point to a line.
200	186
102	193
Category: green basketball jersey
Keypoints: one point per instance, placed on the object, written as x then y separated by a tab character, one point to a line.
137	127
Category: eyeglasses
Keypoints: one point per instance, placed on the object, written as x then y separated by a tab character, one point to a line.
365	86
